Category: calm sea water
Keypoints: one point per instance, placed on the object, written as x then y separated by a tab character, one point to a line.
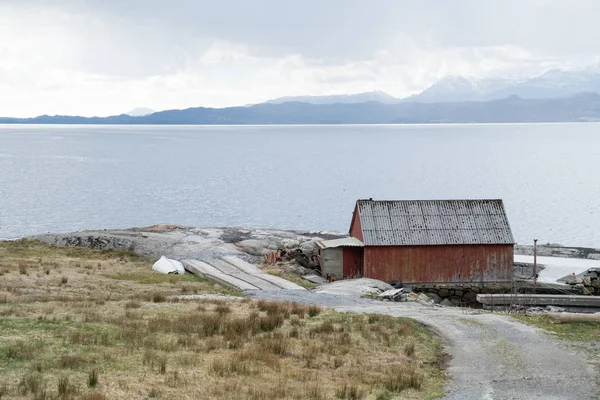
66	178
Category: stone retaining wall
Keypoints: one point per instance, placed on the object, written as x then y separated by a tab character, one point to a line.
465	294
461	293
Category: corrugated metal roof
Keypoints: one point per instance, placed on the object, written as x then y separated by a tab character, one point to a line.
343	242
433	222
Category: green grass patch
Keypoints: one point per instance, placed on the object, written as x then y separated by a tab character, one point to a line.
154	278
573	332
27	248
290	276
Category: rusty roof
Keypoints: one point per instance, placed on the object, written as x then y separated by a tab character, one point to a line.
433	222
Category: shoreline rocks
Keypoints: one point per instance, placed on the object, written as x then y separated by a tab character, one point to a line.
180	242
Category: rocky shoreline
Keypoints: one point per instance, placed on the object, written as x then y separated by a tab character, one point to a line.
254	245
556	250
180	242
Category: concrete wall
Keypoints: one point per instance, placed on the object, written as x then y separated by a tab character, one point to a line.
331	261
453	263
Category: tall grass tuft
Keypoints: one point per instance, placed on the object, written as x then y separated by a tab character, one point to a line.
92	379
313	311
30	383
402	377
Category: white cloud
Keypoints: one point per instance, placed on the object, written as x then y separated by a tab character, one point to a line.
223	52
88	60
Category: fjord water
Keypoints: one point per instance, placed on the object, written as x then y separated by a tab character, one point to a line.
67	178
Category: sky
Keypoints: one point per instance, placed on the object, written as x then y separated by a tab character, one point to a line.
90	57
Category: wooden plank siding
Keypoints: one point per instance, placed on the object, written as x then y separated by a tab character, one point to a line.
352	262
355	226
440	263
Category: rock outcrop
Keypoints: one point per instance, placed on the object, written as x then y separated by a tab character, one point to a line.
180	242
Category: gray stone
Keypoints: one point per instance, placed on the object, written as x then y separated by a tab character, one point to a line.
470	297
446	303
436	299
458	292
296	268
443	293
455	301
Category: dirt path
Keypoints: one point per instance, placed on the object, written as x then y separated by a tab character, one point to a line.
493	356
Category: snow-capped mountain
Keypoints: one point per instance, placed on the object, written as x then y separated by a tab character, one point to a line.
376	95
555	83
460	88
140	112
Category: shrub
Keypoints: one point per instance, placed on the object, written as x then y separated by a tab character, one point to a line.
275	345
72	362
348	392
30	383
22	269
313	311
63	386
401	377
223	309
409	348
158	297
21	350
325	327
162	365
132	304
93	379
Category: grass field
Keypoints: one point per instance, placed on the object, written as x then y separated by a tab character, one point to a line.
77	323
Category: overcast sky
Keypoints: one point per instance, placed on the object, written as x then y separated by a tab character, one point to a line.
91	57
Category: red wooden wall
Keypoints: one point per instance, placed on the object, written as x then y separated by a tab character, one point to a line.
452	263
352	261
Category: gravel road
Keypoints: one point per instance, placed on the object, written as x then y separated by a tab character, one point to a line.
493	356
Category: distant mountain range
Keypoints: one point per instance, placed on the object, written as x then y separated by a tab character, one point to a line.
582	107
555	83
140	112
376	95
555	96
552	84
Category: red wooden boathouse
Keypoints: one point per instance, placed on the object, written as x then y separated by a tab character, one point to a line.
427	241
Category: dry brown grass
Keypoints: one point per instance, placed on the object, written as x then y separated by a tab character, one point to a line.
97	337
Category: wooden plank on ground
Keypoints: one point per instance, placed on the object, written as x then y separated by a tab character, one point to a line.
208	271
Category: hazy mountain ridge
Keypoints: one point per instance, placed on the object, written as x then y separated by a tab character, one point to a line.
555	83
140	112
365	97
582	107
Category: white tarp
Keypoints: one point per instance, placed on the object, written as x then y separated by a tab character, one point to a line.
168	266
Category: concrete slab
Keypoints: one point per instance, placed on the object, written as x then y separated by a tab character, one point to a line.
231	270
254	270
539	300
208	271
319	280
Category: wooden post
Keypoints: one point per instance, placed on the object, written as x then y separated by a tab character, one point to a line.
535	261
